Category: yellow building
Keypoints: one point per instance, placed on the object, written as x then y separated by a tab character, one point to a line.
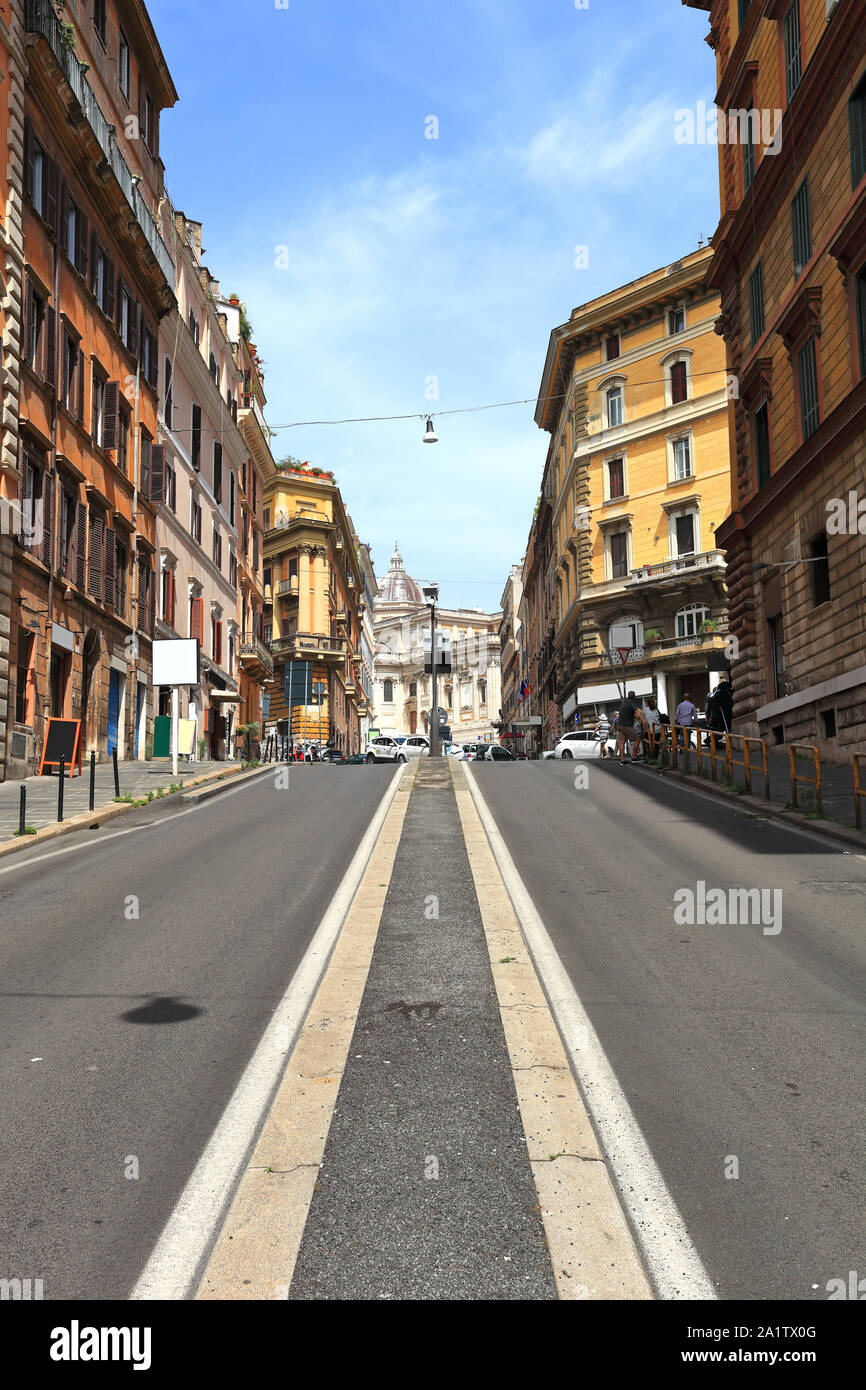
635	398
314	605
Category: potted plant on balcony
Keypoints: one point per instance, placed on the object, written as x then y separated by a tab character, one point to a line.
709	626
652	635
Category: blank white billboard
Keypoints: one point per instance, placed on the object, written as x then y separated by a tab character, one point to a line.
176	661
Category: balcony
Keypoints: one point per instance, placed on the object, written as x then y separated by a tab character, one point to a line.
341	616
310	646
710	563
255	657
351	688
288	588
40	19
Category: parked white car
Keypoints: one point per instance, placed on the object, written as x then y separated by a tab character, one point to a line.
384	750
416	746
580	743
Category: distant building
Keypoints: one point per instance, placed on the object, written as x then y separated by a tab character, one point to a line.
470	695
511	672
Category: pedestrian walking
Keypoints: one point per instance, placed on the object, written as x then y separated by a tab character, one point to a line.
720	709
602	734
627	727
685	718
651	715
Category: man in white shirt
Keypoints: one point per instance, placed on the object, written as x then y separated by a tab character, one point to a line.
685	717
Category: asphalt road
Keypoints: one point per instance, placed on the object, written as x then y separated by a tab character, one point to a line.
727	1042
123	1037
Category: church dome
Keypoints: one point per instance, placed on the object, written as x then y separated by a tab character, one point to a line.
398	586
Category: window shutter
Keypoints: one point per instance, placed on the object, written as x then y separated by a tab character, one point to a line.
93	262
46	548
153	364
110	556
50	364
80	386
27	300
157	473
52	175
142	115
110	409
80	544
94	583
64	219
196	617
25	495
108	307
134	320
28	159
81	244
173	601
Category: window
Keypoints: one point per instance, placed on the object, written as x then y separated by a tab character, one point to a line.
793	59
97	558
102	281
196	438
749	151
861	318
756	302
413	690
612	347
31	503
679	383
22	672
218	470
857	122
618	547
293	566
232	497
149	367
682	459
121	569
123	426
689	619
388	692
214	369
72	380
170	491
615	479
99	8
97	406
613	401
761	430
216	638
127	319
195	519
217	550
123	64
68	535
168	597
801	228
676	321
169	402
233	569
743	11
684	533
39	333
820	567
627	632
194	328
807	369
73	235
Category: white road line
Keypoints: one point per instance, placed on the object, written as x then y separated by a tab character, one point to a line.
173	1270
674	1265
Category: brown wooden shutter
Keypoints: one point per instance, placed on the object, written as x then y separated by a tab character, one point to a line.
196	617
109	290
52	178
157	473
25	494
49	370
45	548
80	544
81	244
28	159
110	411
110	556
94	581
80	405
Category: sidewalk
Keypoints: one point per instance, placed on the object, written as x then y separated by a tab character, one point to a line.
837	783
136	780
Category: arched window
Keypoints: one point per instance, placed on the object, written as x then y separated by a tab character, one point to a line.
689	619
677	367
388	692
626	632
613	406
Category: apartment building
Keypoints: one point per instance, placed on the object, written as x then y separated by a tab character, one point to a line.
209	502
635	397
368	639
509	646
97	280
789	265
313	587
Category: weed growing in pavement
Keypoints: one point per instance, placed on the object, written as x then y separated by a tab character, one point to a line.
28	830
506	960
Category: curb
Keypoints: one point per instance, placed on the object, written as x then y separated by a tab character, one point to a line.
101	815
831	830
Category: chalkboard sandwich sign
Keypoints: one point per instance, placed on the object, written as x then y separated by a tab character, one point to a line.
62	740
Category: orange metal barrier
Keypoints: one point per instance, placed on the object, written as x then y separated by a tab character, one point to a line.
722	747
806	781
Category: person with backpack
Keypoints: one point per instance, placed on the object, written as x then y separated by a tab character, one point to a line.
720	709
627	731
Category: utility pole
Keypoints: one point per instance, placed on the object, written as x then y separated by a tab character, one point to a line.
431	593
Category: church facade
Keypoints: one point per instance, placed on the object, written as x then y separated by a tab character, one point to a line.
470	695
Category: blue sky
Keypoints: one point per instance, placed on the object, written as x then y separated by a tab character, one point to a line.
411	258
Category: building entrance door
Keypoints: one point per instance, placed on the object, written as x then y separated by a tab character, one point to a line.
113	710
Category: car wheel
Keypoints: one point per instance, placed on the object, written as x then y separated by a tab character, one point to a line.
567	753
401	758
370	758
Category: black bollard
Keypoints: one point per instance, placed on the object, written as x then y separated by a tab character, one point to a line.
92	780
22	810
116	773
60	789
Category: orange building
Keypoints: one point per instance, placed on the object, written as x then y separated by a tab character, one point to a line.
97	280
790	268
